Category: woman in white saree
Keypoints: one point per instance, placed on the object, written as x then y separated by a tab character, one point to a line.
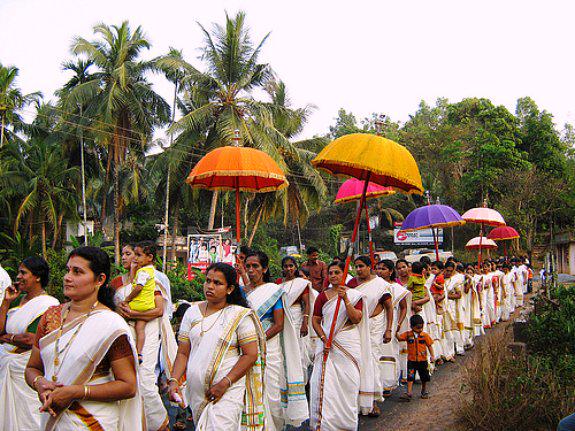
390	360
298	307
83	363
159	338
380	314
284	379
487	296
20	312
346	382
221	353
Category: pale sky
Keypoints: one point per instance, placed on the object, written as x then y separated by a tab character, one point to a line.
365	56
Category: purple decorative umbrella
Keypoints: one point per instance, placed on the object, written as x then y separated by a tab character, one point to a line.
432	216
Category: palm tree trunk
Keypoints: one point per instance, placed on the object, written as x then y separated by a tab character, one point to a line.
44	251
175	231
105	190
256	225
57	230
117	213
2	132
213	208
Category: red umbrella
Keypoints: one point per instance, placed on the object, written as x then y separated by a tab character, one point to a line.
503	233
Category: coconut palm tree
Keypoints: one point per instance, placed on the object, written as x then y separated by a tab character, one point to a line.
119	99
221	100
48	194
11	102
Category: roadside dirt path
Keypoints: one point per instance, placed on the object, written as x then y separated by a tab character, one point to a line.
439	412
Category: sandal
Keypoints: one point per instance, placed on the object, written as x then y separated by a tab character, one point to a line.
425	395
375	412
405	397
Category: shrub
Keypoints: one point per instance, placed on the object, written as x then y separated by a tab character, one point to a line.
533	391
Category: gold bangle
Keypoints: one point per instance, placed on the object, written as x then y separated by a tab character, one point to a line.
229	380
36	380
173	379
85	392
12	338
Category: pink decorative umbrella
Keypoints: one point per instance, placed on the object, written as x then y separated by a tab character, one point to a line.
480	243
351	190
483	216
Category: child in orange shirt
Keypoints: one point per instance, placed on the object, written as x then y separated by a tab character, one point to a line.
437	287
418	343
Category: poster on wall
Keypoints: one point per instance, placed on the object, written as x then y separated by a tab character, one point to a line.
205	249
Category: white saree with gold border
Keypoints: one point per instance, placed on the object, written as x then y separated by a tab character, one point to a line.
19	404
294	312
156	413
374	290
215	348
389	361
77	366
284	379
348	383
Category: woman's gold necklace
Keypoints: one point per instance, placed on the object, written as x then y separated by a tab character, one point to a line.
57	352
202	330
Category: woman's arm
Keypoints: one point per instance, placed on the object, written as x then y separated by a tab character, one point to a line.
455	294
180	366
247	359
316	324
125	311
353	313
278	324
23	341
10	294
402	313
307	312
423	300
122	387
388	306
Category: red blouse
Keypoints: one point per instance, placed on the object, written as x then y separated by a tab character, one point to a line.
322	299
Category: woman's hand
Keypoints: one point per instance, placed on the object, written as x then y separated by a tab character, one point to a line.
11	293
44	386
387	336
304	328
124	310
60	398
341	292
217	391
174	391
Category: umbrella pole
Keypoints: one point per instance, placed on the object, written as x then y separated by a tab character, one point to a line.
436	242
371	253
338	304
505	250
480	244
238	227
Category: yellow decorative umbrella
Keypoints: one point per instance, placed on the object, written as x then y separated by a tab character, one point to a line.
370	158
361	155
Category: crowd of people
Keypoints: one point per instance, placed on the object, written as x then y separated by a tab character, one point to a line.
314	345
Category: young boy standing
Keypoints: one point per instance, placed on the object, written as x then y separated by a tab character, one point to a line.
418	343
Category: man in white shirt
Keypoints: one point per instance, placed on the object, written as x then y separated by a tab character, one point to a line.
4	282
524	274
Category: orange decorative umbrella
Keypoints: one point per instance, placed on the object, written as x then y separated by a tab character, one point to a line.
240	169
369	158
351	190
